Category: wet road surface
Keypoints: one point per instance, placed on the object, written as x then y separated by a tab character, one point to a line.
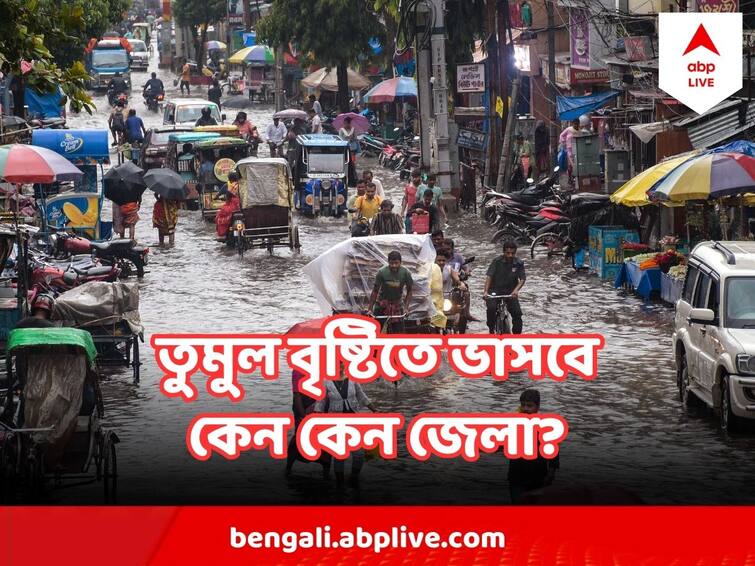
626	428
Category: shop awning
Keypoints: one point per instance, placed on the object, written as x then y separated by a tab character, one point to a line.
78	146
572	107
727	120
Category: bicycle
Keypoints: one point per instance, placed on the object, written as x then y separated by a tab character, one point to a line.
503	322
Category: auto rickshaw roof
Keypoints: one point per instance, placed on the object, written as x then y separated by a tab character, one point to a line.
41	337
219	142
321	140
187	137
264	181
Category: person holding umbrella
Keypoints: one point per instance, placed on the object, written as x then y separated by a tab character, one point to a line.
165	218
349	134
169	188
124	185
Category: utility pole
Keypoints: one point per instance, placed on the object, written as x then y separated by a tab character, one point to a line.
424	98
553	135
440	95
493	83
504	165
280	100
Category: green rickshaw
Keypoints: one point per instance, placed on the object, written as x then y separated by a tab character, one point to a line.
181	157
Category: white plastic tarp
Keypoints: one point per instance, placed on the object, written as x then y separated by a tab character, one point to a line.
343	277
99	303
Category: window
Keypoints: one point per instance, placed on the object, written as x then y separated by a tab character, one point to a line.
701	293
740	302
713	297
689	283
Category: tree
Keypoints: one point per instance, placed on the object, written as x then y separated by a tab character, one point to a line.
198	15
335	32
465	23
27	28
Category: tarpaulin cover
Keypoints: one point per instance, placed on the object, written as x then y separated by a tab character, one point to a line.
572	107
43	105
99	303
53	391
739	146
343	277
264	182
29	337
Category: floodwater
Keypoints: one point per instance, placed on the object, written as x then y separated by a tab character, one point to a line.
627	427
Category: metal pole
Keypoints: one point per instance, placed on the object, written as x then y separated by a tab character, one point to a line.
504	164
424	98
491	49
440	95
279	98
553	135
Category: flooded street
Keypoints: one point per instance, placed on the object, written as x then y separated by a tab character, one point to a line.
626	428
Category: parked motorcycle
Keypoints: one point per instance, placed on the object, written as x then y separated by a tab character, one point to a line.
58	277
126	254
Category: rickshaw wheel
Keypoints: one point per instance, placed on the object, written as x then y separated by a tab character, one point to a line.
135	360
110	467
10	454
296	241
240	246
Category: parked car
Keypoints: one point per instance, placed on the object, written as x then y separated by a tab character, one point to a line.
139	54
186	111
155	146
714	330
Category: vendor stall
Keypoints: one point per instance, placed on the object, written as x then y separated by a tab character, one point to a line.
643	272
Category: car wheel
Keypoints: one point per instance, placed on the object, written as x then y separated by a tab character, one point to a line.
728	419
683	382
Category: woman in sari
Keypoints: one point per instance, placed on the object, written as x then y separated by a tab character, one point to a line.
129	214
225	214
165	218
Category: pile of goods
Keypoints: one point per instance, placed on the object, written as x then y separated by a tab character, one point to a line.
678	271
344	276
664	260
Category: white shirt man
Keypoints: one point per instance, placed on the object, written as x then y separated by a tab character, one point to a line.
276	132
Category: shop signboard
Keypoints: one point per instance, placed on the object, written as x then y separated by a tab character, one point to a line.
579	30
235	12
470	78
592	76
472	139
715	6
638	48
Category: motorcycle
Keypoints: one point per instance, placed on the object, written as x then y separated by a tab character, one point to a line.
126	254
152	102
114	98
360	227
47	276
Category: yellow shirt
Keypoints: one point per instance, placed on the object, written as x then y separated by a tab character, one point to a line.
439	319
369	208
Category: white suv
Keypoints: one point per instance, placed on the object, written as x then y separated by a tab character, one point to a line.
714	330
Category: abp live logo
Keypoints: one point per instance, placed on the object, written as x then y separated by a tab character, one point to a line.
700	59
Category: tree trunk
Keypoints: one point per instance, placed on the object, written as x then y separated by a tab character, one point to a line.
343	87
200	47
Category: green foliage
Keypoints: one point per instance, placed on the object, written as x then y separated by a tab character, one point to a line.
196	15
27	29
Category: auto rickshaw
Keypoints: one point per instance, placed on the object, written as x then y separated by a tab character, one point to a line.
217	157
225	130
321	175
181	158
50	425
265	195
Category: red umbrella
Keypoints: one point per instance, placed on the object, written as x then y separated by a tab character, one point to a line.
21	163
360	123
308	326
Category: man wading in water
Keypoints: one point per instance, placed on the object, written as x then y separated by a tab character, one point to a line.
390	283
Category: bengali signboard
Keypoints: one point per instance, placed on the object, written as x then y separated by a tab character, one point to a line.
716	6
472	139
579	30
470	78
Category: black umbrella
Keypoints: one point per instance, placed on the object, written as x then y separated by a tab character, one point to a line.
167	184
124	183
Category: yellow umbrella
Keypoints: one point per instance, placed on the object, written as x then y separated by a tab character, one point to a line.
633	192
